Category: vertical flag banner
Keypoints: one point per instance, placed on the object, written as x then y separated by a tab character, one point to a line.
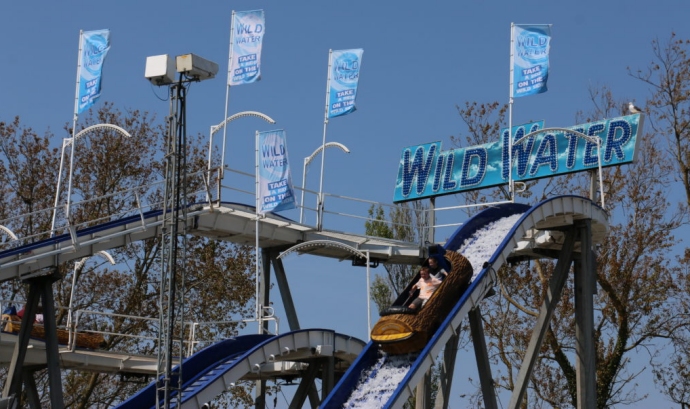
275	182
531	45
342	81
247	33
93	49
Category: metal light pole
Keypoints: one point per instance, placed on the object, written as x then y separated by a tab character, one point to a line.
214	130
589	138
8	232
304	170
160	71
72	141
349	249
78	266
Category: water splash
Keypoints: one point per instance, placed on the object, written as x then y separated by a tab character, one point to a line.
378	383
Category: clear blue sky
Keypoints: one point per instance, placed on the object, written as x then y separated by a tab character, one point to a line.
419	62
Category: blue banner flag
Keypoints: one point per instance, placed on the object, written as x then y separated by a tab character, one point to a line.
530	59
342	81
247	33
93	48
275	182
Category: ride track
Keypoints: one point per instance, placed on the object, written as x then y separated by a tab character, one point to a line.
212	370
555	213
215	369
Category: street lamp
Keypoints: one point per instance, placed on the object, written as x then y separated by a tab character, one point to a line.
160	70
349	249
216	128
78	266
8	232
589	138
304	171
72	141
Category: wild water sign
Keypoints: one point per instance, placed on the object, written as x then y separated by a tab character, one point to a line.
427	171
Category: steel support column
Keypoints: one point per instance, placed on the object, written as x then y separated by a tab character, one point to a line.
585	286
305	386
285	295
423	395
553	296
445	380
265	287
290	311
264	301
327	376
30	389
482	356
40	288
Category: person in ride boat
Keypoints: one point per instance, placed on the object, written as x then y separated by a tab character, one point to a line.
39	314
427	284
436	269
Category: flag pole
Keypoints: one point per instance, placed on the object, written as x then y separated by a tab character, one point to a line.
65	143
511	189
74	125
319	205
257	212
227	97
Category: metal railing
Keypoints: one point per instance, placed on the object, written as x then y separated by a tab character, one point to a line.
133	200
144	340
136	201
341	210
216	328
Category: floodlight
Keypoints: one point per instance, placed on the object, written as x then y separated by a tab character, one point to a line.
197	67
160	69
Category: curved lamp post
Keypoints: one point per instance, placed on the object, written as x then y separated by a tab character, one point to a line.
78	266
349	249
215	129
589	138
71	141
8	232
304	171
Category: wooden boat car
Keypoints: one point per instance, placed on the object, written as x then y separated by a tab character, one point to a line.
88	340
402	330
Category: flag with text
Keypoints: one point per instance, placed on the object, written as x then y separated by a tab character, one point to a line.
248	28
275	182
342	81
94	46
530	55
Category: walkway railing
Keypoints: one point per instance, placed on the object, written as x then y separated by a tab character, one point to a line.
133	201
144	340
345	213
341	213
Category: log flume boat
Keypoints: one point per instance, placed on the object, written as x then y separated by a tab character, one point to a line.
402	330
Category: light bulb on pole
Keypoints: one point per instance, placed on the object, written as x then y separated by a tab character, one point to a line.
214	130
304	170
72	141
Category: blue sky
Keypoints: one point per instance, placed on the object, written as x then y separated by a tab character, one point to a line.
419	62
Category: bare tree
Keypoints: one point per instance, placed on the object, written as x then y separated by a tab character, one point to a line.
112	176
668	75
641	294
668	107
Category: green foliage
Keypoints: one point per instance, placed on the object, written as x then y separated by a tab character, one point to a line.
376	225
407	222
